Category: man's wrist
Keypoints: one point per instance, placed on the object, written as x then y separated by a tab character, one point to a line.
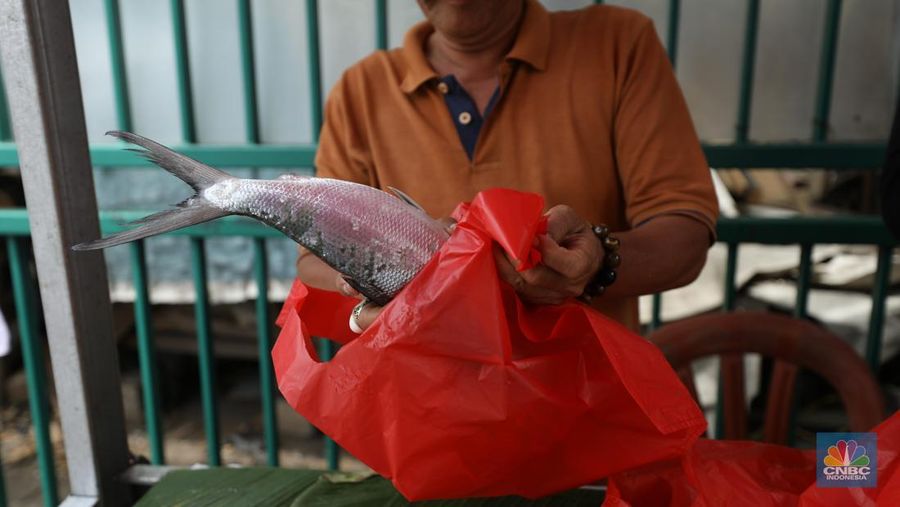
606	275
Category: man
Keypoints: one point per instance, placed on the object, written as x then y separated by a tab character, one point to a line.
581	107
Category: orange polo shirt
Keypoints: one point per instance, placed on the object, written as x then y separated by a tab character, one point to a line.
589	115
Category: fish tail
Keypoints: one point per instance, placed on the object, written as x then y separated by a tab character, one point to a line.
191	211
196	174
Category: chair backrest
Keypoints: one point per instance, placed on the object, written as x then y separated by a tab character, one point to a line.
792	344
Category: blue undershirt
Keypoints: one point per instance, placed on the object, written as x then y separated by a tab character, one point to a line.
463	108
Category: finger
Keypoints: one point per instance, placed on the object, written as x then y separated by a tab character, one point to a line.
367	315
527	291
563	221
345	288
505	268
575	263
542	278
448	223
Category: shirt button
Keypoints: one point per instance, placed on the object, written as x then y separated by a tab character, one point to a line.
442	86
465	117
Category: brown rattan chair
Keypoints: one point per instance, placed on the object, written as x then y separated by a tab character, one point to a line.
792	344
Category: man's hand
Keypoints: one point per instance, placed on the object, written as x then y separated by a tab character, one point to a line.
570	257
369	311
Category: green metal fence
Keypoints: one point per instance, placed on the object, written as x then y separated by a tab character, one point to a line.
818	153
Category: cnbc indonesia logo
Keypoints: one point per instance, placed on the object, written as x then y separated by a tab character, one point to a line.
847	462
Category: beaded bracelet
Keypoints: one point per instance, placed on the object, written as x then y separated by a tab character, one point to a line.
606	276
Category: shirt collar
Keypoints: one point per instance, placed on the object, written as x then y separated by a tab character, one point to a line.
531	46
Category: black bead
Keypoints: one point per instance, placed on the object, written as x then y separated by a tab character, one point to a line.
611	244
606	277
601	231
612	260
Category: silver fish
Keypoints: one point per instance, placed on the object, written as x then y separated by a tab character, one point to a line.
378	242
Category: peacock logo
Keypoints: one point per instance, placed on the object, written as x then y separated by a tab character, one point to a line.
846	460
846	453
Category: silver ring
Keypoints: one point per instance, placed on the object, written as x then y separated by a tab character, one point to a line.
354	316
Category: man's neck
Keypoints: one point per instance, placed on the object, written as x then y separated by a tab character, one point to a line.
475	58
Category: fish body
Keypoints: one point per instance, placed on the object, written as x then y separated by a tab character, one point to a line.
375	240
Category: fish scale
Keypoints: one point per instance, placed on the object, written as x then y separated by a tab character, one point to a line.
376	241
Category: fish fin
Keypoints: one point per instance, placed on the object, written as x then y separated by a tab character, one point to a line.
196	174
399	194
190	212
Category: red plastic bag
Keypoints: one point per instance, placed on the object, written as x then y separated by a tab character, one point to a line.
752	474
459	389
718	472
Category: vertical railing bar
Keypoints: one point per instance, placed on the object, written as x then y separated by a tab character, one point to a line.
381	24
749	63
876	319
315	70
33	357
826	69
2	487
674	24
5	128
248	71
728	305
264	330
147	353
117	64
803	281
326	351
656	312
315	86
205	352
801	306
183	72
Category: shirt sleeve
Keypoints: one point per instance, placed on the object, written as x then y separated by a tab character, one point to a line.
343	152
661	165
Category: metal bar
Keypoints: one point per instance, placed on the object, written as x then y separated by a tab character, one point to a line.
38	52
183	72
803	280
842	229
656	312
876	320
117	63
33	357
851	156
674	24
264	330
205	353
381	24
749	62
826	69
2	484
332	451
5	129
315	68
728	306
248	71
147	353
